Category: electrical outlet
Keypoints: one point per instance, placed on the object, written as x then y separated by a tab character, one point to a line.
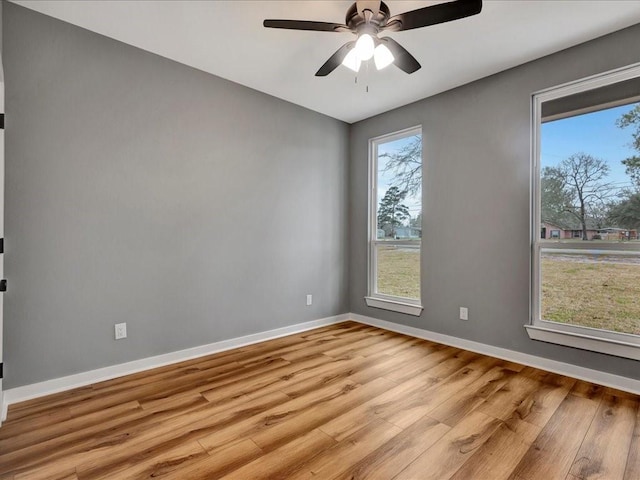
309	300
121	330
464	313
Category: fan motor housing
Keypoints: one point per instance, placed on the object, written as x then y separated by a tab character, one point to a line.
353	19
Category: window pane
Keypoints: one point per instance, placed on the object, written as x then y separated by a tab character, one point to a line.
592	290
399	189
399	270
397	172
590	172
589	214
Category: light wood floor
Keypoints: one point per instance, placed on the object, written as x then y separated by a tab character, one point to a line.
347	402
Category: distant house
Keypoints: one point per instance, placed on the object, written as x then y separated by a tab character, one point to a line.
613	233
564	231
401	233
408	233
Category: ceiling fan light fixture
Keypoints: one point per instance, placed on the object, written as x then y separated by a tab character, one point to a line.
369	18
382	56
364	47
352	60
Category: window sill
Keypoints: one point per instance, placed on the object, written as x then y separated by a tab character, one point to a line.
585	342
394	306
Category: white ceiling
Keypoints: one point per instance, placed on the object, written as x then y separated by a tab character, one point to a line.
226	38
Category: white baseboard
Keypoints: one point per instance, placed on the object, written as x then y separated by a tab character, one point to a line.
56	385
567	369
28	392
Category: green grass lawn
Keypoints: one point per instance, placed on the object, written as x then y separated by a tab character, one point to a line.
600	294
399	271
603	294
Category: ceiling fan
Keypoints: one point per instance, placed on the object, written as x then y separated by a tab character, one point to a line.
366	19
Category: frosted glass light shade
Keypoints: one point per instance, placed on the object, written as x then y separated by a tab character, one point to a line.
382	57
352	61
365	47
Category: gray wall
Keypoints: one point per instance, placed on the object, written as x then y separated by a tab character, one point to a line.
143	191
197	210
476	201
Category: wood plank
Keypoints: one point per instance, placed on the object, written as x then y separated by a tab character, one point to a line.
66	427
393	456
340	457
220	463
502	452
269	419
22	425
286	461
322	347
184	375
415	406
510	396
555	449
471	397
318	414
147	464
39	409
334	330
396	346
162	429
632	470
258	382
181	385
57	450
587	390
419	361
364	345
542	403
297	382
359	370
42	474
176	431
351	421
448	454
605	447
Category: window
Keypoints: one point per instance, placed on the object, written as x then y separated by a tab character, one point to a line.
586	194
395	225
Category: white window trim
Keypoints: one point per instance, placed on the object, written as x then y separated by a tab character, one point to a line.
409	306
583	341
394	306
611	343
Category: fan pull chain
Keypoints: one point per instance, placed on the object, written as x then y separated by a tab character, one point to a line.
367	76
355	79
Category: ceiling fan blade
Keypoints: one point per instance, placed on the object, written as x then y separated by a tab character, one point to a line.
371	5
401	58
306	25
441	13
335	60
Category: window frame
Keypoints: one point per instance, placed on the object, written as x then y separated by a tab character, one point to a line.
604	341
373	298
